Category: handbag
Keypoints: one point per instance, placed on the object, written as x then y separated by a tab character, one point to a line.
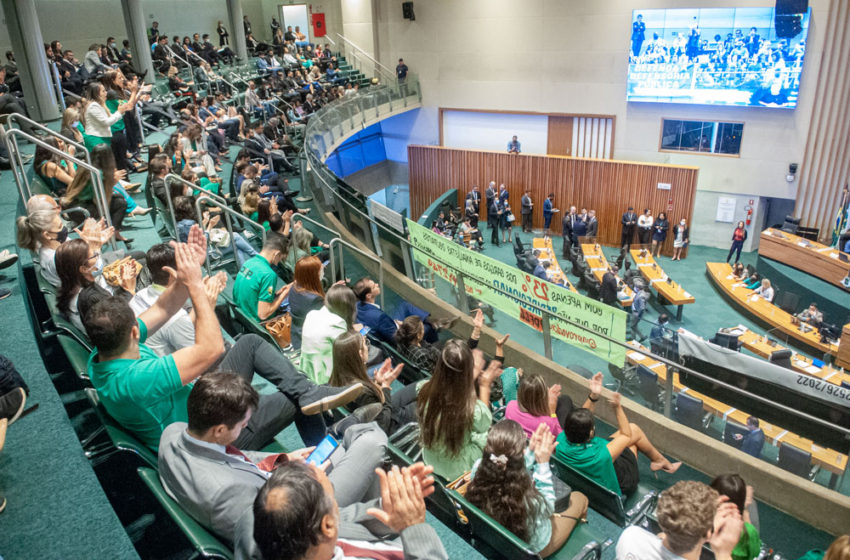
220	237
511	217
281	329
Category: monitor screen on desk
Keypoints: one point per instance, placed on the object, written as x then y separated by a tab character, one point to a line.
717	56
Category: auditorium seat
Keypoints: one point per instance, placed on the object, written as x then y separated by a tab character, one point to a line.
648	387
119	439
732	429
787	301
795	461
791	225
202	541
626	377
726	340
689	412
781	358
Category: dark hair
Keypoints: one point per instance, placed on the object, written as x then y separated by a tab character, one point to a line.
43	155
340	300
263	210
219	398
276	242
408	331
506	492
70	256
157	258
292	523
733	487
348	367
362	288
663	318
578	426
183	208
108	324
446	402
533	394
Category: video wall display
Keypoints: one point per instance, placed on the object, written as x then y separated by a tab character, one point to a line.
717	56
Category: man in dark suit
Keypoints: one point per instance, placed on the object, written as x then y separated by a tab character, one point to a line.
490	196
69	73
752	441
638	35
608	289
527	209
370	314
568	225
296	515
215	482
162	55
592	224
494	216
629	222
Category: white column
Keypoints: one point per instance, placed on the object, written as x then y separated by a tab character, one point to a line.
237	31
137	34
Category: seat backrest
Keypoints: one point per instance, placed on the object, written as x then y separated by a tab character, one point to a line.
726	340
605	501
488	533
204	543
688	411
845	384
648	384
121	438
794	460
732	429
781	358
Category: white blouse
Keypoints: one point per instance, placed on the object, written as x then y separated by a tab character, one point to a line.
99	120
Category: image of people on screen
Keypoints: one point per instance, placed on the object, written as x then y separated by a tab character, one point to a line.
732	56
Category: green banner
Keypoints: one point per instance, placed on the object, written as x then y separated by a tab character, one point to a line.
482	274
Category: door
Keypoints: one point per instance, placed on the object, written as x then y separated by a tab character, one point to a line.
295	15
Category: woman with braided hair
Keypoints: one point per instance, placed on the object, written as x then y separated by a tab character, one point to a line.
512	483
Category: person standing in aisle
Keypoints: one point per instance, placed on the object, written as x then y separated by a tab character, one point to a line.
527	208
738	238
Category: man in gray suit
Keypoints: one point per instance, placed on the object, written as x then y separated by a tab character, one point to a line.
297	517
216	483
527	208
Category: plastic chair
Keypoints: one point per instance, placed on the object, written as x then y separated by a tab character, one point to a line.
120	440
205	544
689	412
648	387
781	358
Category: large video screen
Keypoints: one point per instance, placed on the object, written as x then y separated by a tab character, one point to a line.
717	56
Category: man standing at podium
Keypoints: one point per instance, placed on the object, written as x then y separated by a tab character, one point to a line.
514	147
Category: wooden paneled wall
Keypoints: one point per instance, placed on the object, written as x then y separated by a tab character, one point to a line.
607	186
560	139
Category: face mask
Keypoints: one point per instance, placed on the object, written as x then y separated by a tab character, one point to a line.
98	268
682	222
62	234
75	124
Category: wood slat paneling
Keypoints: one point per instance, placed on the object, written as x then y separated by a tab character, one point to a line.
560	140
606	186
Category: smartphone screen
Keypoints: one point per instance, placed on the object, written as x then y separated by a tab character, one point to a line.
323	451
365	330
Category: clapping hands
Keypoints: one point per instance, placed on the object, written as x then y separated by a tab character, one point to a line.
385	376
542	444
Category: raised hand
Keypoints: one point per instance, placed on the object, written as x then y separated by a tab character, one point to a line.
596	384
478	362
478	319
128	276
385	376
553	394
542	444
614	400
494	370
728	525
188	271
197	242
500	341
214	285
402	502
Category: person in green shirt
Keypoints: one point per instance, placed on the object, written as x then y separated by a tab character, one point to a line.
453	420
733	487
145	392
254	290
612	463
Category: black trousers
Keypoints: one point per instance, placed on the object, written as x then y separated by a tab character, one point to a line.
526	222
117	209
626	238
119	150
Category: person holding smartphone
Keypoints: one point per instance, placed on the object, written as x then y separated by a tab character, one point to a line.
216	482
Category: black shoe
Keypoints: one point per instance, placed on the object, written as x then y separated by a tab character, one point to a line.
12	404
362	415
323	398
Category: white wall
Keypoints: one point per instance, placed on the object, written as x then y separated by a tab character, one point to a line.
493	131
707	231
571	56
358	24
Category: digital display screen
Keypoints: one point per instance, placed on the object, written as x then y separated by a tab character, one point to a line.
717	56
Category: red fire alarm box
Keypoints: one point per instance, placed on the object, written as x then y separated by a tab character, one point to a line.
319	25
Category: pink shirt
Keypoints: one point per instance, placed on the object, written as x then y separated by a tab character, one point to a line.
529	422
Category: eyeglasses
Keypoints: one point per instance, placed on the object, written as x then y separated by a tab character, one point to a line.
94	257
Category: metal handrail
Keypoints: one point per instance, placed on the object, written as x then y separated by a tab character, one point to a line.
314	222
228	213
207	192
96	175
367	55
343	243
15	117
628	347
170	202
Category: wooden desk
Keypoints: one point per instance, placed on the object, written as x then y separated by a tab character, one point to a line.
598	264
721	274
547	252
655	277
758	344
809	256
828	459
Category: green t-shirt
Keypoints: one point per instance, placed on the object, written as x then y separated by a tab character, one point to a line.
112	105
205	183
255	282
750	544
143	395
592	459
265	224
